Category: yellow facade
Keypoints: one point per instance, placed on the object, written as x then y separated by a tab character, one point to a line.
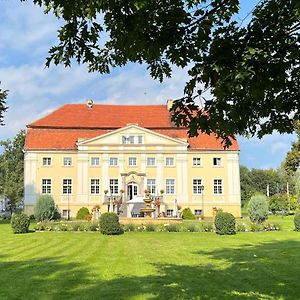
102	159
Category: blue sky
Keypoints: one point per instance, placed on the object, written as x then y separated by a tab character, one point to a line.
26	34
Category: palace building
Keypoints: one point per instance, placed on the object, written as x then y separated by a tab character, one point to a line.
108	155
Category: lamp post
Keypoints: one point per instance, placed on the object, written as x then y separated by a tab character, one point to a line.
202	211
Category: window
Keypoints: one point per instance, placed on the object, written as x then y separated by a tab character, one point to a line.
169	161
150	161
46	186
113	186
218	187
113	161
217	161
198	212
46	161
196	161
67	186
95	186
170	186
140	139
128	139
95	161
151	186
67	161
197	186
132	161
169	212
65	213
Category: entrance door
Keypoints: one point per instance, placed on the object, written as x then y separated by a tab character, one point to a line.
132	190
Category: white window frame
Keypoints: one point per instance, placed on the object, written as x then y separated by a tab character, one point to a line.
93	159
169	212
132	159
154	161
140	139
151	185
94	186
46	186
198	212
68	187
216	186
47	161
218	162
66	159
167	161
111	159
173	185
114	186
198	186
197	158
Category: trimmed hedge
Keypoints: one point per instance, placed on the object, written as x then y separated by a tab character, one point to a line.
187	214
109	224
297	221
225	223
83	214
20	223
45	209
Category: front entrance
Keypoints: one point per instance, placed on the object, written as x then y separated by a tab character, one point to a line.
132	190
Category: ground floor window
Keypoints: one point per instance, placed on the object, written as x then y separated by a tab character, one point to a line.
169	212
151	186
46	186
218	186
170	186
67	186
65	213
198	212
95	186
197	186
114	186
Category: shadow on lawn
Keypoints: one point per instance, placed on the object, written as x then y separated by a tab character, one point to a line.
265	271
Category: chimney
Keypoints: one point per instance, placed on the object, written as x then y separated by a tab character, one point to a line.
89	103
170	103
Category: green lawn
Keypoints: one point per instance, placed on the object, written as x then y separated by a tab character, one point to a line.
154	265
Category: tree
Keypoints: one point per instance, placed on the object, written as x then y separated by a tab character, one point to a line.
12	170
258	209
292	159
251	72
3	108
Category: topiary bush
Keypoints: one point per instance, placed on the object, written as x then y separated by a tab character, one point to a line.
258	209
109	224
187	214
20	223
45	209
297	221
225	223
83	213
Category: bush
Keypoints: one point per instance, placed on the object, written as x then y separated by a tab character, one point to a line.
258	209
150	227
256	227
83	214
187	214
297	221
45	209
278	203
173	228
192	227
20	223
225	223
109	224
207	227
241	227
129	227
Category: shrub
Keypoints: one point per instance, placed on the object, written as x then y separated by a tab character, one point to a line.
241	227
45	209
109	224
187	214
297	221
129	227
256	227
225	223
90	226
20	223
173	228
271	227
83	214
192	227
258	209
207	227
278	203
150	227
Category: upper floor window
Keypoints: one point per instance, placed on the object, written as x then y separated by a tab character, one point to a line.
67	186
170	186
196	161
140	139
218	186
67	161
169	161
197	186
113	161
95	186
150	161
114	186
47	161
95	161
217	162
151	186
46	186
132	161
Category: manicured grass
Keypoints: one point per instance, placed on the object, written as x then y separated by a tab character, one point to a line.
149	265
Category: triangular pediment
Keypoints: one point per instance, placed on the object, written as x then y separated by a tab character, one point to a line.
144	135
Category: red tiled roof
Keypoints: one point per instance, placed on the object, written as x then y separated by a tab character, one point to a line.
106	116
